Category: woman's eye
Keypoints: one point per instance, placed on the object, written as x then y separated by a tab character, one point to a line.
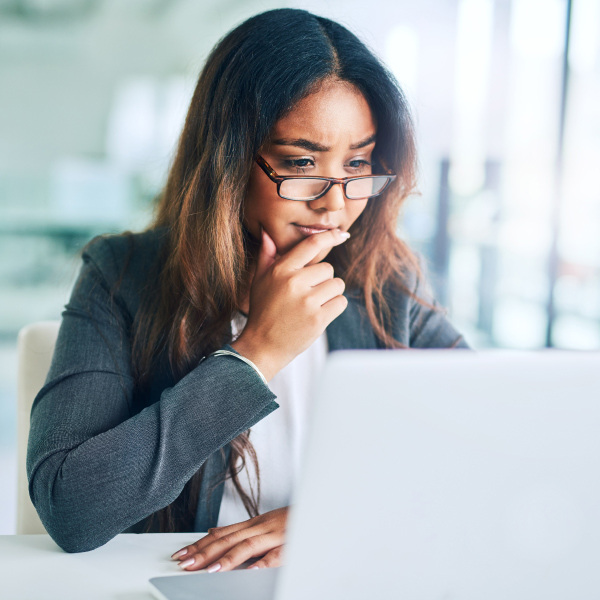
298	163
301	164
359	164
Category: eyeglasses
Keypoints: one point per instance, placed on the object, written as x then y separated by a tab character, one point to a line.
299	187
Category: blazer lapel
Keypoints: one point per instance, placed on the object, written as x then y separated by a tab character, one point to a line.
352	329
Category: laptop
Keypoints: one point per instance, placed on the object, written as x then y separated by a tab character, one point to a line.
440	475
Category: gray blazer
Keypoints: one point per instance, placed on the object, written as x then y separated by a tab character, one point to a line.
101	459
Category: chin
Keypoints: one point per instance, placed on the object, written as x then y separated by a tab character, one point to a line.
284	247
285	243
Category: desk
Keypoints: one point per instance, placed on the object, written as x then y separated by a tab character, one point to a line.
33	567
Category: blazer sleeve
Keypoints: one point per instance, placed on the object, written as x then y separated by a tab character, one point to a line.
94	467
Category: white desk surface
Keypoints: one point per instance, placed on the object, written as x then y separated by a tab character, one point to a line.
33	567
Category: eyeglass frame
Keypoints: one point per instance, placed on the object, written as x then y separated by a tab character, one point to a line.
279	179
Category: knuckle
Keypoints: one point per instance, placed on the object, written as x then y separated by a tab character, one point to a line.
289	292
226	561
249	544
328	267
273	558
307	303
293	285
341	284
229	539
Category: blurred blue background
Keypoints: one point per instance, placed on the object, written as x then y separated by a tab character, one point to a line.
505	95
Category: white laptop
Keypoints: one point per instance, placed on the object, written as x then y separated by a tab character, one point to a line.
448	475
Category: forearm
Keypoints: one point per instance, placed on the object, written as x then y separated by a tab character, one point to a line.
88	490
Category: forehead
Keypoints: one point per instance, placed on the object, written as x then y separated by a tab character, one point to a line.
336	115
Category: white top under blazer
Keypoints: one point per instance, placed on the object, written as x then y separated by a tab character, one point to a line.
278	439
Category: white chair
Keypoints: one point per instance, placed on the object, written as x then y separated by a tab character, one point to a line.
35	346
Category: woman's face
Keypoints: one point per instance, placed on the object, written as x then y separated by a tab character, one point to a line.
329	133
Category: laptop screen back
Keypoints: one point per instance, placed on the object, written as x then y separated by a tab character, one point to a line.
436	474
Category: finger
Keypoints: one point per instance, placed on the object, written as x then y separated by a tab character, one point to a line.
270	559
214	533
334	308
305	251
186	550
272	520
250	548
266	254
251	527
326	291
315	274
202	556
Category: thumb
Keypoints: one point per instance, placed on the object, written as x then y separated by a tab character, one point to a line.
266	254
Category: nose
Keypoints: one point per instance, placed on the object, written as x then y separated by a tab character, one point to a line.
333	200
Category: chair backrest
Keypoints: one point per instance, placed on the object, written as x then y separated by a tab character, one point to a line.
35	346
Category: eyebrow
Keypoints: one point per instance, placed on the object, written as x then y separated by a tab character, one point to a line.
315	147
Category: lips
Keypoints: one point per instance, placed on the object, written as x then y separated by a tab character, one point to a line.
313	228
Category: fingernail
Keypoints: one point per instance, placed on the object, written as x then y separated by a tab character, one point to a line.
186	563
179	554
213	568
250	568
344	234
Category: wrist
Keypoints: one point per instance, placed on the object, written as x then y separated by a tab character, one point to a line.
255	352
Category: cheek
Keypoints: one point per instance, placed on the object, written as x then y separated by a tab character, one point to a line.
355	210
258	204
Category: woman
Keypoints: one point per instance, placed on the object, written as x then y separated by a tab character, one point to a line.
177	341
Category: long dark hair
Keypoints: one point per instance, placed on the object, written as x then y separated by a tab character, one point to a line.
254	76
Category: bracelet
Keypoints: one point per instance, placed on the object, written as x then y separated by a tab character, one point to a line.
239	357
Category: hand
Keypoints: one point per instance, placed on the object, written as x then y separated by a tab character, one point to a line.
291	301
225	548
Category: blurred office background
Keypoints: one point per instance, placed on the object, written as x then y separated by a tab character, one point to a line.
506	99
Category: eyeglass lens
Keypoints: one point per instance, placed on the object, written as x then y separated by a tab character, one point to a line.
305	189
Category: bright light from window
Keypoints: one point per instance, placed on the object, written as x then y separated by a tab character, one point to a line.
585	40
473	51
538	27
402	50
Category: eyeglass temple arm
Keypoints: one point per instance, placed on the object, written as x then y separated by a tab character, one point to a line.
384	167
267	168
